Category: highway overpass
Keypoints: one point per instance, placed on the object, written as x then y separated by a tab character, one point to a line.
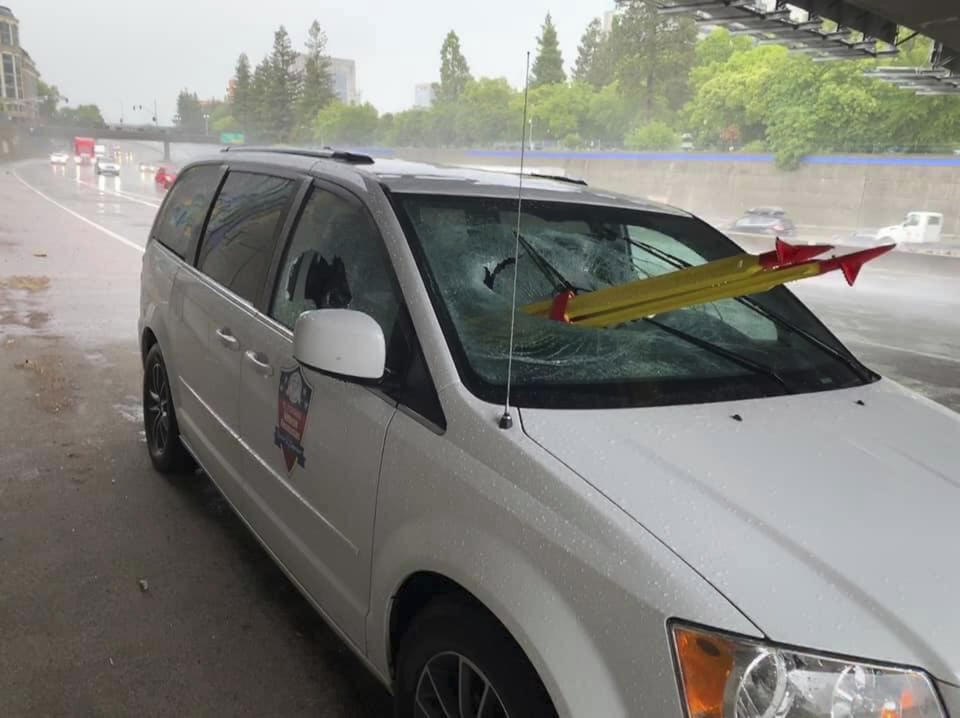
166	135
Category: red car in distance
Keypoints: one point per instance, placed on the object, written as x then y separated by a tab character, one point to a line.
165	177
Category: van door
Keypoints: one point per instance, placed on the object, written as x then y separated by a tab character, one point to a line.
932	227
178	227
217	298
315	441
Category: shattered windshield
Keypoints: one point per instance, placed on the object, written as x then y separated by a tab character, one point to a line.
714	351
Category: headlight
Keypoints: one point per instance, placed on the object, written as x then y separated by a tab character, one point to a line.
730	677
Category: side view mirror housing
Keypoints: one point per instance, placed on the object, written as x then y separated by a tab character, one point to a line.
343	342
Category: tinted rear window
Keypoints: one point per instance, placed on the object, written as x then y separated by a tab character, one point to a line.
186	208
238	245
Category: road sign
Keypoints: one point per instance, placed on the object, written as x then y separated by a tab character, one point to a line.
231	138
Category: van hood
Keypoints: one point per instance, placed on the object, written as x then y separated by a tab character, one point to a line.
830	523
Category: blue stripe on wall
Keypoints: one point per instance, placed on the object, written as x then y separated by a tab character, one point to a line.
906	160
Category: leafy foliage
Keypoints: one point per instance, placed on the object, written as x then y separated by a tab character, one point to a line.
640	85
316	91
653	136
588	52
454	71
80	116
282	89
240	92
49	97
796	106
338	123
654	54
548	65
189	113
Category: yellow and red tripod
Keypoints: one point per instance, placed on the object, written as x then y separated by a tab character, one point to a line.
736	276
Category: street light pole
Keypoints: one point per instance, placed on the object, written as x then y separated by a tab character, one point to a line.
206	123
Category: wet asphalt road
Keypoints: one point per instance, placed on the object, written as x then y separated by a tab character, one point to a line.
219	629
83	518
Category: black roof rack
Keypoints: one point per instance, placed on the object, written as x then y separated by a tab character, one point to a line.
559	178
326	153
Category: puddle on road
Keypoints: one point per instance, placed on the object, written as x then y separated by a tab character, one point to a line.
131	410
98	360
18	307
24	281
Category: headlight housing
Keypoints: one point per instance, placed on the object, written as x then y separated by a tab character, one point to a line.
724	676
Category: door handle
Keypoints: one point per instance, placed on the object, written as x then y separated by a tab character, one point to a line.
227	339
261	367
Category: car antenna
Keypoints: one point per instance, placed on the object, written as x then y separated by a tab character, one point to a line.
506	421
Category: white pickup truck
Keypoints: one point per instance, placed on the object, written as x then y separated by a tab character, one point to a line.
916	227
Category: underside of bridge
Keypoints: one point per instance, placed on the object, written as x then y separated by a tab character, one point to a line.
937	19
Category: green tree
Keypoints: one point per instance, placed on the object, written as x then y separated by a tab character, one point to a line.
609	115
80	116
240	91
222	118
338	123
589	50
653	136
548	65
454	71
653	54
49	97
719	45
411	128
282	89
558	110
316	90
258	105
189	113
488	112
795	106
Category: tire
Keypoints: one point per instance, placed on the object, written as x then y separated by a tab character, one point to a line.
167	453
464	645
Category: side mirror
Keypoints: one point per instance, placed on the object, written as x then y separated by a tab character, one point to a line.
340	341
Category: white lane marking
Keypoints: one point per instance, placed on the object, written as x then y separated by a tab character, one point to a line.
928	355
109	233
122	195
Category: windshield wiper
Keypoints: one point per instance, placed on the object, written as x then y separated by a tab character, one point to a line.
855	366
731	356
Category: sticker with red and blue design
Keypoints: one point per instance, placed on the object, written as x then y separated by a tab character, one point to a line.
293	404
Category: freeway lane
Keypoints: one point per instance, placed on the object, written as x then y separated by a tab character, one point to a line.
216	629
83	518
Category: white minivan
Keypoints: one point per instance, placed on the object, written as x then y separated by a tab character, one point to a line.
714	512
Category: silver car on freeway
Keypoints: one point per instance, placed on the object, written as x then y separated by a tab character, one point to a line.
715	512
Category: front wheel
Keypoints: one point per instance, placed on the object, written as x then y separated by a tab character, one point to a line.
457	660
167	453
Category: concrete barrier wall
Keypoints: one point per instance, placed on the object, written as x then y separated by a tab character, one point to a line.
835	193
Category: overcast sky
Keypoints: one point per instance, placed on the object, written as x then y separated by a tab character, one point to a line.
113	52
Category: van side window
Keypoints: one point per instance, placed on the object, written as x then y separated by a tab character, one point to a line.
336	260
238	244
186	208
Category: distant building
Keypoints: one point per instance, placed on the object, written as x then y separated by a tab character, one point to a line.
18	74
607	22
423	94
343	73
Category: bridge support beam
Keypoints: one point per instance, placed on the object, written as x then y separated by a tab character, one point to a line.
166	150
